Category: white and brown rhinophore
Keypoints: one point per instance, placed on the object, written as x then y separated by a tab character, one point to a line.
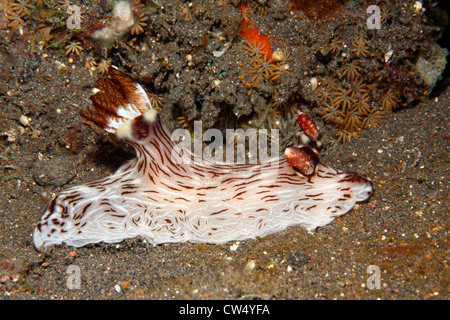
168	194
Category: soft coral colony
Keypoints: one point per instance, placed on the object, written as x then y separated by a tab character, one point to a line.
365	80
264	62
265	65
168	194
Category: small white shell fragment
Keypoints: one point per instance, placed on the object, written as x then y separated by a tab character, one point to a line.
220	53
11	135
61	66
277	55
234	246
388	55
24	120
314	83
418	7
250	265
117	288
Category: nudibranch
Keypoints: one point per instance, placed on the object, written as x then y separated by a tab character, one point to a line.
166	198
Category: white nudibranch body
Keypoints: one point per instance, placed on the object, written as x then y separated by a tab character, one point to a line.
168	194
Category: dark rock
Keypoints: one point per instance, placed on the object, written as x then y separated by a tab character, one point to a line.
298	259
